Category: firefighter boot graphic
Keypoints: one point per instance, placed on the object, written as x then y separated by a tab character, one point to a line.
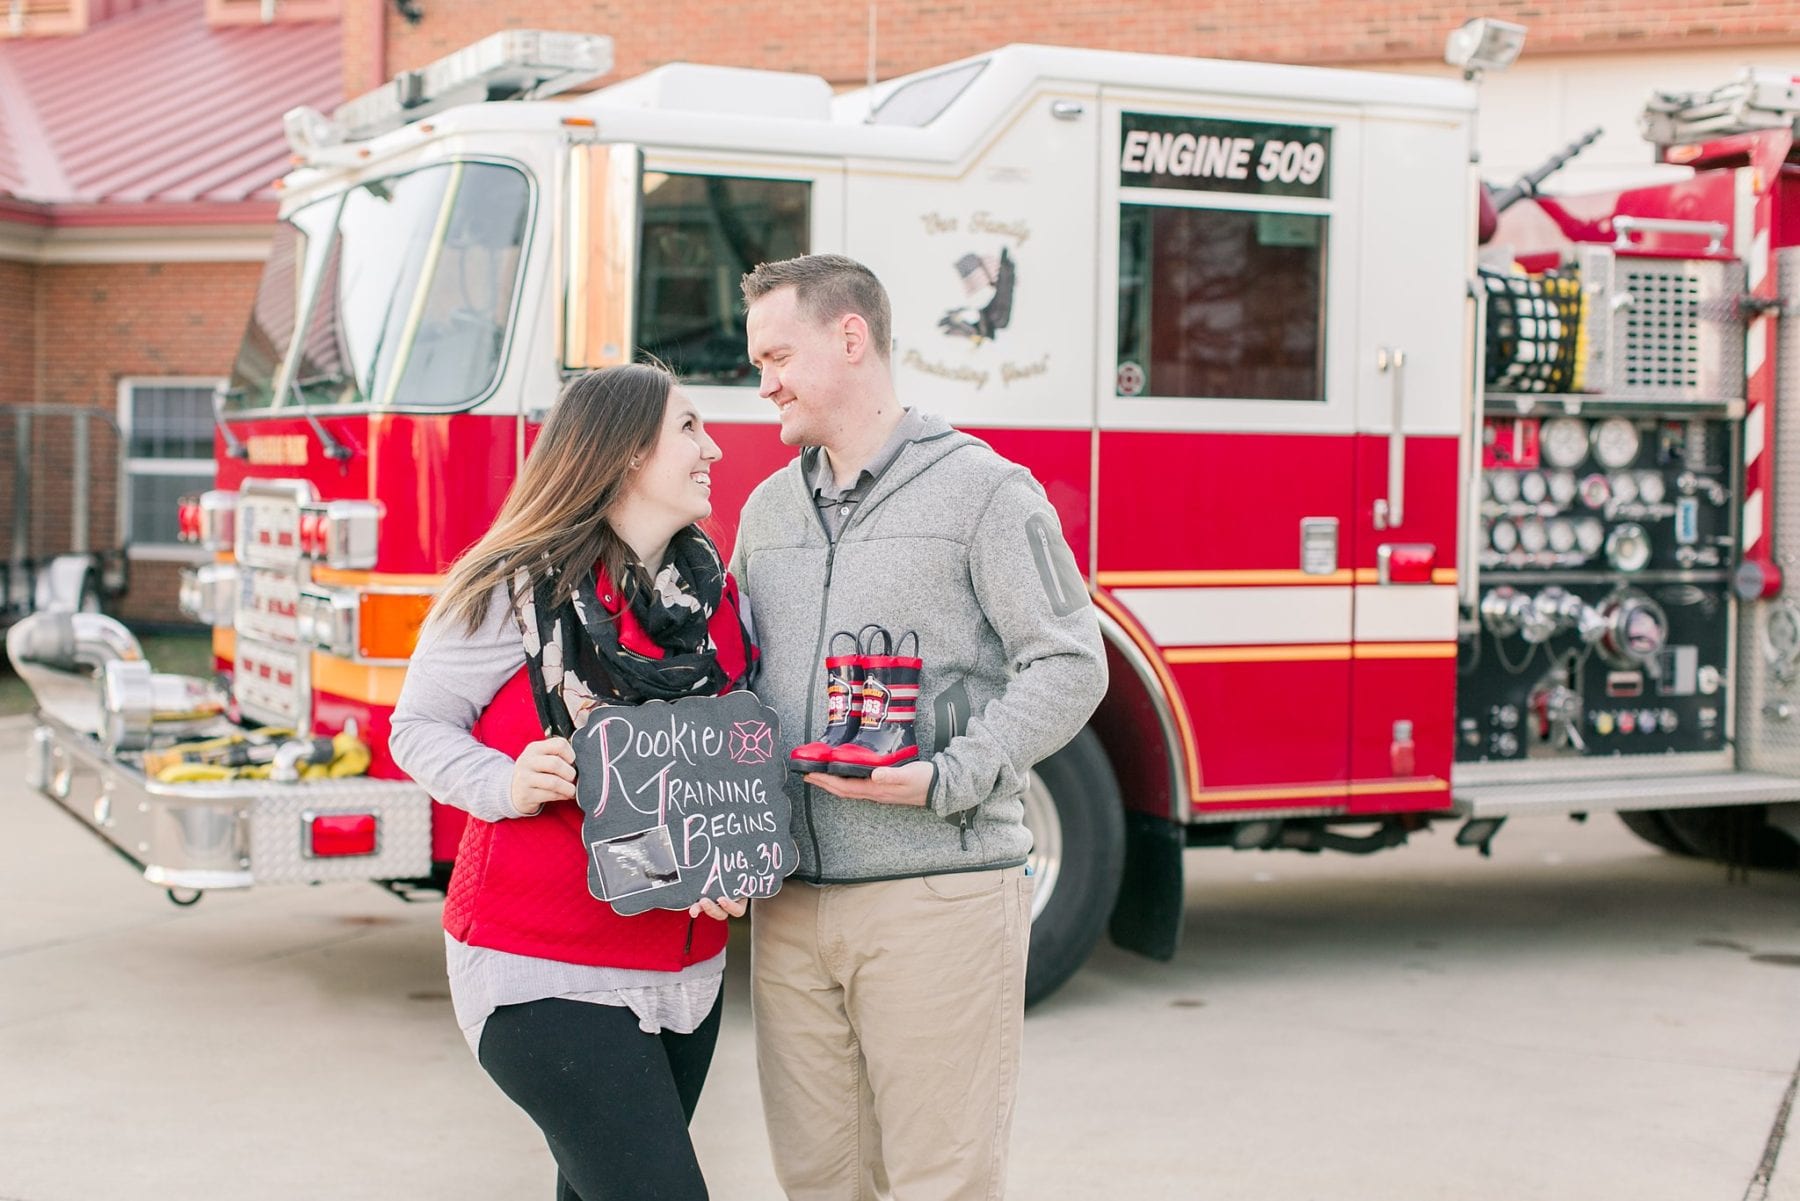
843	700
890	697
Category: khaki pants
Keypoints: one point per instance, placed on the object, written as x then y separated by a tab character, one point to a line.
888	1019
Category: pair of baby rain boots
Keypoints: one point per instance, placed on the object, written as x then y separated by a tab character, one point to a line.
871	698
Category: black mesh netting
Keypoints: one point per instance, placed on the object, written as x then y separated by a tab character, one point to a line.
1533	322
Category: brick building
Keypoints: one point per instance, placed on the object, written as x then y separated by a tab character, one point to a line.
138	140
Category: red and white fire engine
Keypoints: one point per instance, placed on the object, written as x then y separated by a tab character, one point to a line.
1385	525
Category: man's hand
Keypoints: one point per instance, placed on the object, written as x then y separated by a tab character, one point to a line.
545	772
908	784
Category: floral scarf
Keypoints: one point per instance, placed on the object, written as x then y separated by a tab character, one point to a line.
574	652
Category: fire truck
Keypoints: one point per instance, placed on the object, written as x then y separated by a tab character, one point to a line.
1386	525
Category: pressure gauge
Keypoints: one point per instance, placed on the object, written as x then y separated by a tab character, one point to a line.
1533	537
1562	536
1595	491
1623	486
1563	441
1616	442
1505	537
1533	488
1628	547
1590	535
1506	487
1650	487
1562	488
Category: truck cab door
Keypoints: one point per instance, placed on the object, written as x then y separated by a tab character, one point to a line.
1226	419
1412	379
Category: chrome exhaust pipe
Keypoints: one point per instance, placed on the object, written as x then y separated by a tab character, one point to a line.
68	642
87	671
60	655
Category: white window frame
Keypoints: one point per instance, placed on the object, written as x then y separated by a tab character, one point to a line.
170	552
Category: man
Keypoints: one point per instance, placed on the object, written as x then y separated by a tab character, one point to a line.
889	971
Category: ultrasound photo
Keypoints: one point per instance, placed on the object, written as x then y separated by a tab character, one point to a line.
634	863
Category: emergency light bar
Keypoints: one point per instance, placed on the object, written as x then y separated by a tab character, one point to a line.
515	64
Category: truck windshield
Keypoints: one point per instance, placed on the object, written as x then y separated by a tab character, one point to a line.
404	286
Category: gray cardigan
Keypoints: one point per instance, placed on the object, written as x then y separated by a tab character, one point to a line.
960	545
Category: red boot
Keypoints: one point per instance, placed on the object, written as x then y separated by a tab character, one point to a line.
843	702
890	698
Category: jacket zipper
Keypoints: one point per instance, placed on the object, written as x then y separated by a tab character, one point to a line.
831	544
812	831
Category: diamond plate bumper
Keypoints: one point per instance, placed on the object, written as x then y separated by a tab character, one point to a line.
230	834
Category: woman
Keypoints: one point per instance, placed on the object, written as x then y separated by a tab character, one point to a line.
594	587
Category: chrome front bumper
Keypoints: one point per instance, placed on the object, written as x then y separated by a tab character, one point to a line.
229	834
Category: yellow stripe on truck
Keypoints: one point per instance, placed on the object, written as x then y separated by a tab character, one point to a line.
373	684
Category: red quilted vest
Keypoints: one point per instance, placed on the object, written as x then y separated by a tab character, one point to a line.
520	885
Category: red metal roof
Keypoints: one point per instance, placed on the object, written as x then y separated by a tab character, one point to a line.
155	111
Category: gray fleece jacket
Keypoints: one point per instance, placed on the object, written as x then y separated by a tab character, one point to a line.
961	545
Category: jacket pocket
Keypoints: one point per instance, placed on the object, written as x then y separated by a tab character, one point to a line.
949	719
965	886
949	715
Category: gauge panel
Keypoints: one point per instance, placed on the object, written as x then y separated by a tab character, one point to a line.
1666	478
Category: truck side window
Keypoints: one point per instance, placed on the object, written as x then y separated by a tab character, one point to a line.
1221	303
701	233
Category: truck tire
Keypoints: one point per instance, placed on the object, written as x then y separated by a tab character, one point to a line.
1653	827
1735	834
1073	811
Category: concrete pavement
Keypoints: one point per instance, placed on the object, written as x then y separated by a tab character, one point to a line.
1579	1017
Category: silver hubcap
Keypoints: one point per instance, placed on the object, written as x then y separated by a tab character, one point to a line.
1046	855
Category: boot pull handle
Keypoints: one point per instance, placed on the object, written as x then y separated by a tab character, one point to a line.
855	639
914	635
867	646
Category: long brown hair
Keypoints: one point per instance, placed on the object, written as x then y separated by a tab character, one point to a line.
555	513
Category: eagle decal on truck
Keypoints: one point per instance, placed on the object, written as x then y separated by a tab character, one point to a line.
988	297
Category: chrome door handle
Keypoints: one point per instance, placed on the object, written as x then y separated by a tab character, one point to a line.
1390	511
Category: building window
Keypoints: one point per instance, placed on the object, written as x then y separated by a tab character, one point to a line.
167	425
1223	304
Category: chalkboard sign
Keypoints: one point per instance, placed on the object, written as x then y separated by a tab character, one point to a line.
683	800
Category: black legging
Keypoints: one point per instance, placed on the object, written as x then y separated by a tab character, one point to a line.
612	1101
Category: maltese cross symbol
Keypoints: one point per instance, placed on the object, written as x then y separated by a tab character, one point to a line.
752	742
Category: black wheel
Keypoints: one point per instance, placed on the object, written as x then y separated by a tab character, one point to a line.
1077	824
1651	826
1734	834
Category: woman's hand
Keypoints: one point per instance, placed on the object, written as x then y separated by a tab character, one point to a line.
545	772
722	908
